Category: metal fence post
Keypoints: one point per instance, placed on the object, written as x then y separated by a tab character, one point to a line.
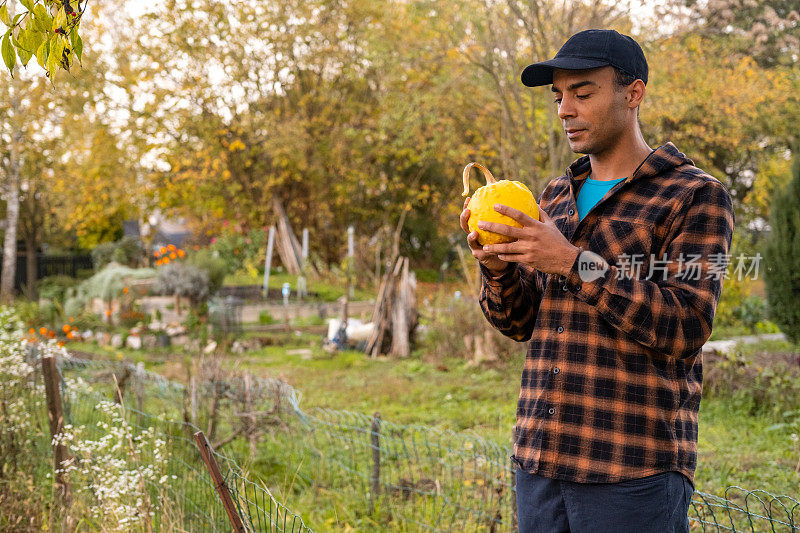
219	482
375	487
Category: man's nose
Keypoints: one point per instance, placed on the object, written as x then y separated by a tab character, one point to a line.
565	109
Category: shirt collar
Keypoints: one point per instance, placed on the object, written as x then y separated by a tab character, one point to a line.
662	159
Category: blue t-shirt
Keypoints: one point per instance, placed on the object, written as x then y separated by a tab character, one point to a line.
591	192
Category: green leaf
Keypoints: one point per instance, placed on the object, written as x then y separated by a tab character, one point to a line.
77	43
4	16
42	53
56	49
61	20
35	40
28	4
42	18
9	55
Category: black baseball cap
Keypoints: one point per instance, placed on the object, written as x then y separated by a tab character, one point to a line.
591	49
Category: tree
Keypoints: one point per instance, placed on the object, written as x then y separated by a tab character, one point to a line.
782	258
733	117
766	30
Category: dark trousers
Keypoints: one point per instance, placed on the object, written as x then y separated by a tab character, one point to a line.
657	503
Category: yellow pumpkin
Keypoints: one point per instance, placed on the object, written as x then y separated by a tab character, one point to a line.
481	204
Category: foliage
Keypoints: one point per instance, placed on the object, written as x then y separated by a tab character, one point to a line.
48	30
265	317
213	264
765	29
710	103
751	312
55	287
457	328
782	258
183	280
126	251
107	284
116	467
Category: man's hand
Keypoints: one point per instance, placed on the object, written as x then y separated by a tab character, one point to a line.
540	245
489	260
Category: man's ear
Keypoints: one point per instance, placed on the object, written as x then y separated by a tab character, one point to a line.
635	94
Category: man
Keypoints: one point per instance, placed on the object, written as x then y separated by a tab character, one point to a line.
616	288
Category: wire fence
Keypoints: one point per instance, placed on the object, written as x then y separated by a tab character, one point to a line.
186	490
400	477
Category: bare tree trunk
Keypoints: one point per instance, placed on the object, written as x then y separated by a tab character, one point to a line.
11	191
31	269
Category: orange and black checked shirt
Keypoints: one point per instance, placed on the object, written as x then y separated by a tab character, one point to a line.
613	375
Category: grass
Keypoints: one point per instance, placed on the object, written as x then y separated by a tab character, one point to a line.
734	447
326	292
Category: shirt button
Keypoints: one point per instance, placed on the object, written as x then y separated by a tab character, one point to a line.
551	411
556	370
560	329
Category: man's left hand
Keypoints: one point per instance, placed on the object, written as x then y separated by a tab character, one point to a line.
540	245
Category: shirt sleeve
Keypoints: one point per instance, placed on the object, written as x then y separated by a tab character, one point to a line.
674	312
510	301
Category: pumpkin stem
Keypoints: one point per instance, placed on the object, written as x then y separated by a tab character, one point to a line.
465	176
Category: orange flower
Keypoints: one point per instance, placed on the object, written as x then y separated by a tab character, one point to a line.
65	329
32	331
165	260
51	334
163	250
43	331
108	312
60	344
72	319
70	335
181	253
125	290
156	254
171	247
172	255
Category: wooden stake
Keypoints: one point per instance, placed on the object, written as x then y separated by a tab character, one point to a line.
56	418
268	262
219	482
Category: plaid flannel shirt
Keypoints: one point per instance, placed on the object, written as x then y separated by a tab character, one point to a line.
613	375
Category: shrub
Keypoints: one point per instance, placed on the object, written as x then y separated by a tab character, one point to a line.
106	284
55	287
126	251
763	382
264	317
782	275
455	324
751	311
183	280
241	251
214	265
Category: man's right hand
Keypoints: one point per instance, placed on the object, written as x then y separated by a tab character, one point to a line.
489	260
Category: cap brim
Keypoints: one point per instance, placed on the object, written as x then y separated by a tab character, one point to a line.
542	73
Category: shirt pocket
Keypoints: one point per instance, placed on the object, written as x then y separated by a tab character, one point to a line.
627	244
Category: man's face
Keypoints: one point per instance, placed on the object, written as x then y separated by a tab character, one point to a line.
592	112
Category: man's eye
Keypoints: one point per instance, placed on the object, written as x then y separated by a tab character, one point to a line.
584	96
557	100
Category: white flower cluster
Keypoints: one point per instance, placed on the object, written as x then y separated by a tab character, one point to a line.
20	397
116	468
